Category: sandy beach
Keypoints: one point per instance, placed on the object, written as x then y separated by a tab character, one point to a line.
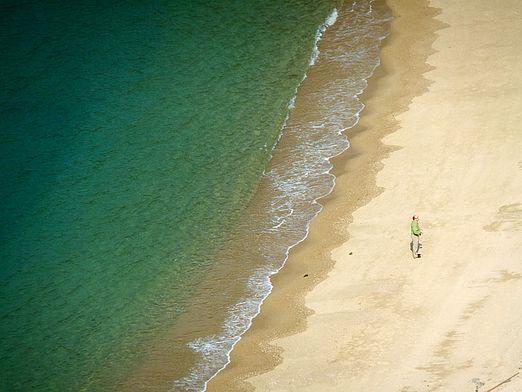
440	137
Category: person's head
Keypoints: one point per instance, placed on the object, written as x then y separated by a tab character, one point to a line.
415	217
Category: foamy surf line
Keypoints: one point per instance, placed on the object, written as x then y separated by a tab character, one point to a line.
259	284
215	350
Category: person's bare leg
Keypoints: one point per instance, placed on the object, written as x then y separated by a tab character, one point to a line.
415	246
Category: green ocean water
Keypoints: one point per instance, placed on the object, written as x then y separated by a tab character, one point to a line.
133	135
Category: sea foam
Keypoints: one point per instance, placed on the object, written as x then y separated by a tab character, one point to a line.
302	179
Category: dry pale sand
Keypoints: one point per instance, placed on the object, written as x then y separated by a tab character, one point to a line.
452	320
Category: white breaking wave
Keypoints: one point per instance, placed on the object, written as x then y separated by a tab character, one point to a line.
320	31
324	139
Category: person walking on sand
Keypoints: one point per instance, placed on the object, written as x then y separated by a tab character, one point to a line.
415	235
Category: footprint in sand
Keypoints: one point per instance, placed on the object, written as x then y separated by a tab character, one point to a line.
509	218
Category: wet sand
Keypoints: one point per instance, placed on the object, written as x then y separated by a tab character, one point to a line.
441	137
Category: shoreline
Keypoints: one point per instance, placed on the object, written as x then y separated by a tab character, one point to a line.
444	145
255	353
298	175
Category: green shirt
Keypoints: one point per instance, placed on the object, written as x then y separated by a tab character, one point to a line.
415	229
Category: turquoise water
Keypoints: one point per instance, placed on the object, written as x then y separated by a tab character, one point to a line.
133	136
